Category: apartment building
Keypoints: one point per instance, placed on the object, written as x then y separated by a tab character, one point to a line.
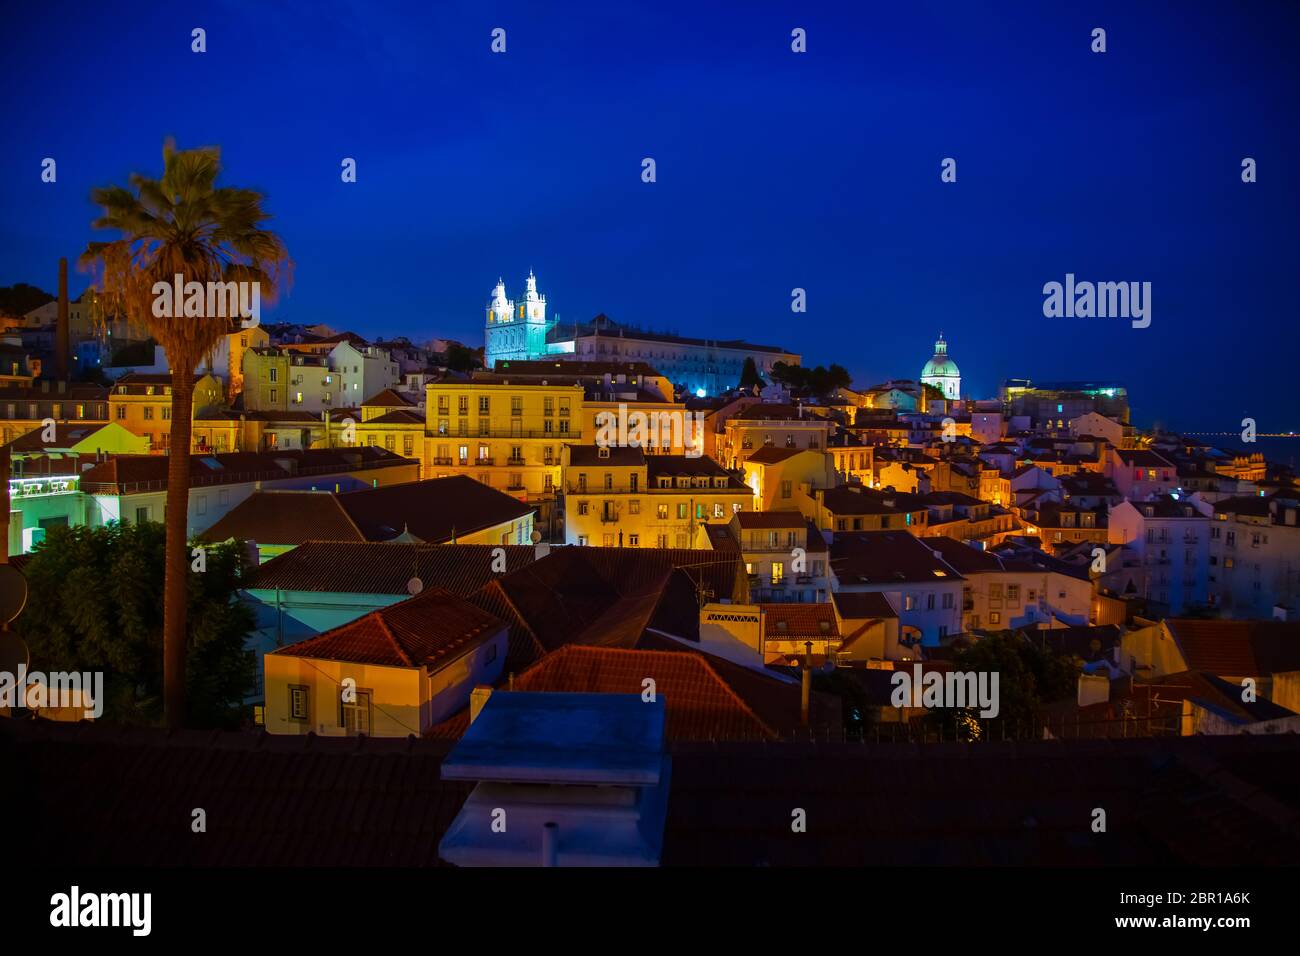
1166	552
143	404
1254	555
622	497
770	426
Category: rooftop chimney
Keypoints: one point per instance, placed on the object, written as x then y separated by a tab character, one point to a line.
61	334
805	699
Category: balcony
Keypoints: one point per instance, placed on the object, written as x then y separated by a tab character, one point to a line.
512	460
509	433
444	461
608	519
485	462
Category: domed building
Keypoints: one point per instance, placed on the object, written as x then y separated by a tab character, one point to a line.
941	371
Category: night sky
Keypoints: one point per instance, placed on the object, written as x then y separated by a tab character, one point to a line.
775	171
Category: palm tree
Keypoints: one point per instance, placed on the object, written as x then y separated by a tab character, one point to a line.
181	224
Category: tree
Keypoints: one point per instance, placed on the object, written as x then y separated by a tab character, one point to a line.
819	381
1028	676
459	358
181	224
749	376
92	605
21	298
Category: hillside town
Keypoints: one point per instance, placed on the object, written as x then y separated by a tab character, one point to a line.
466	546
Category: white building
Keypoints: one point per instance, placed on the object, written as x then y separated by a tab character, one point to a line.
362	371
517	331
1166	552
942	372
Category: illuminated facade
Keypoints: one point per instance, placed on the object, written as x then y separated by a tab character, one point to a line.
942	372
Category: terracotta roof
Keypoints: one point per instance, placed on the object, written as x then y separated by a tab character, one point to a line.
433	510
1237	648
617	456
122	474
426	630
66	434
887	557
286	517
608	596
684	465
401	416
387	398
856	500
855	605
789	621
699	703
771	412
770	454
385	567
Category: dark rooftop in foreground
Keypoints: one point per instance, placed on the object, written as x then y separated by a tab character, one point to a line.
97	795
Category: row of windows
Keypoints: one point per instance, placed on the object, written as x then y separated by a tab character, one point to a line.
610	540
485	405
57	409
609	510
662	481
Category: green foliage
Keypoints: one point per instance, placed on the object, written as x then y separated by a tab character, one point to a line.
95	604
459	358
1028	677
932	393
749	376
820	381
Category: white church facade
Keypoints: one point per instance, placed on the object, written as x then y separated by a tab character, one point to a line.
942	372
522	331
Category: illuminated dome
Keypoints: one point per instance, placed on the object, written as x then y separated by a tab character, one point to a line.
942	372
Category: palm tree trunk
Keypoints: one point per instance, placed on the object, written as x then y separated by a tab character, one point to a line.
176	575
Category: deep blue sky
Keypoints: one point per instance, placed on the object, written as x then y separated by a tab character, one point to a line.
775	170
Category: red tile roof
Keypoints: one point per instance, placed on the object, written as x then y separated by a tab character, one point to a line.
385	567
700	704
433	510
790	621
770	454
286	518
1237	648
388	398
426	630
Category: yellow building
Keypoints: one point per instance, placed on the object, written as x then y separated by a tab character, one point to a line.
24	409
394	672
143	404
510	436
764	425
781	479
391	421
621	497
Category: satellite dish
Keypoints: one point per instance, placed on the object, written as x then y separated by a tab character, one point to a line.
13	593
535	537
415	586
